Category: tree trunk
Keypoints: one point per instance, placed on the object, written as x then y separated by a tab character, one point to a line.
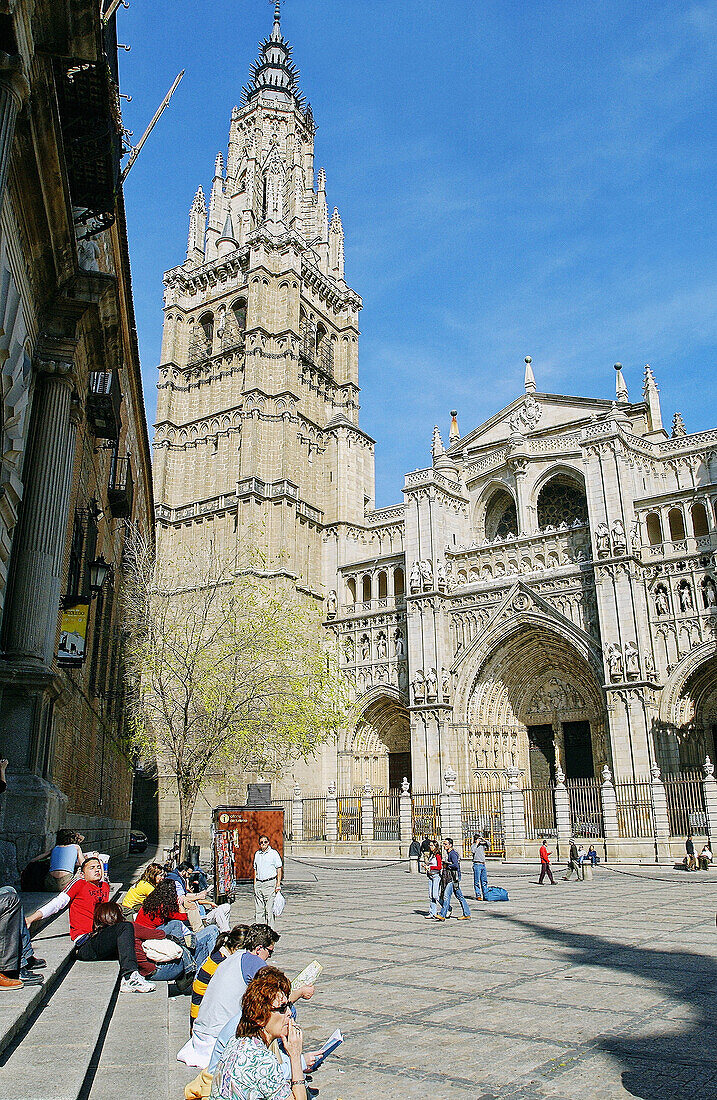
187	792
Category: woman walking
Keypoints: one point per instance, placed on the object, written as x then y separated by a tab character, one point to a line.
434	864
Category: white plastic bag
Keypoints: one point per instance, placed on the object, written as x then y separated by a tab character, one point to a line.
162	951
279	904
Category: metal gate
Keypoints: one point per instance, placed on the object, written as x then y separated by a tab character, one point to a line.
482	812
425	815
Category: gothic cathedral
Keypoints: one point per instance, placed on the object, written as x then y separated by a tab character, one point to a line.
545	597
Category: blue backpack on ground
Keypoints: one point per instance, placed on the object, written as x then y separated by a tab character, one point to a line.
497	893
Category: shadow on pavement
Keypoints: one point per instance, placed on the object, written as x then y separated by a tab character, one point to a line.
676	1061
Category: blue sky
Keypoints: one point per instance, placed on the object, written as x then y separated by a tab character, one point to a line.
513	178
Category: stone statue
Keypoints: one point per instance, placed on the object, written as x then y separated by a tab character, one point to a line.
426	574
685	596
381	648
441	580
602	540
419	686
432	684
445	685
415	580
632	661
349	650
332	604
365	648
399	645
614	662
221	321
662	603
88	254
709	594
450	582
649	667
619	542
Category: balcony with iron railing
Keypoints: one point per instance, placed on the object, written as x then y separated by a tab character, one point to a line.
120	489
103	404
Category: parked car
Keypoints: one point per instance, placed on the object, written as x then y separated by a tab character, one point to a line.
137	841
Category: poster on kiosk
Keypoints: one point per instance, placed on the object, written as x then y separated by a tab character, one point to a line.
236	840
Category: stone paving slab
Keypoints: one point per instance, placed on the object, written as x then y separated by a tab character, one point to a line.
596	991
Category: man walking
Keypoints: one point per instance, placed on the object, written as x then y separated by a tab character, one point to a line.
480	875
453	863
267	881
545	865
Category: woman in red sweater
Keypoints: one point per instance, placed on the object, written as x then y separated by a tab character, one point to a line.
162	909
434	865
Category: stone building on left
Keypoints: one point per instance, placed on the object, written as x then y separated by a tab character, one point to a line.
74	459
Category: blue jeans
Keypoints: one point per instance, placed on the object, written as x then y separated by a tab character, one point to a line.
167	972
434	892
480	881
206	938
449	891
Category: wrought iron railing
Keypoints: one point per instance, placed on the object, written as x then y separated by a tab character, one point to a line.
425	813
539	806
635	816
686	808
585	807
482	812
348	817
386	816
314	818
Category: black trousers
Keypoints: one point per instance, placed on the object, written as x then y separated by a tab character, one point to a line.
545	870
115	941
11	918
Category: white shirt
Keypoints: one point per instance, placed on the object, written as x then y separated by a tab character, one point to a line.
267	863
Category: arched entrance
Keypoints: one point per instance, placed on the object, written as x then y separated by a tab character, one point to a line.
686	731
534	701
378	751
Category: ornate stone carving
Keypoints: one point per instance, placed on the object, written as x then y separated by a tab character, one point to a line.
441	579
613	657
709	594
332	604
399	644
445	685
602	540
662	600
426	574
619	541
415	580
419	686
632	661
431	684
684	594
381	647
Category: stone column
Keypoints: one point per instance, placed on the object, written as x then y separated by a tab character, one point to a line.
405	814
367	812
31	624
513	809
709	785
562	808
611	829
450	809
332	816
659	812
14	90
297	815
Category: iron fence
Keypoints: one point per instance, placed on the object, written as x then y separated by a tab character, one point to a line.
482	812
348	817
387	816
425	814
634	808
686	808
314	818
285	804
539	806
585	807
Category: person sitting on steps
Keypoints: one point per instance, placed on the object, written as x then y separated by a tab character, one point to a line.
115	941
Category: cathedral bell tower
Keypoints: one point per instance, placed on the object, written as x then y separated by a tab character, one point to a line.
257	417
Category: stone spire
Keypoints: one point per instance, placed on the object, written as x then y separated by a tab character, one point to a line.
227	242
336	246
621	393
437	448
197	228
274	74
678	426
454	434
216	206
651	396
529	376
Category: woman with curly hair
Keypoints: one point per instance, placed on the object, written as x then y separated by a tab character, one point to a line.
136	895
162	910
248	1070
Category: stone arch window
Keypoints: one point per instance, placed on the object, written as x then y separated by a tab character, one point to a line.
700	526
366	588
320	338
351	590
206	324
382	585
501	517
654	528
239	311
676	521
562	501
398	582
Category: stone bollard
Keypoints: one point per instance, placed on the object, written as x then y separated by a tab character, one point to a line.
367	812
450	810
513	808
332	815
611	828
405	820
562	807
587	871
659	811
297	815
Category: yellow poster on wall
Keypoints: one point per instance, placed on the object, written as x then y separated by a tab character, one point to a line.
73	634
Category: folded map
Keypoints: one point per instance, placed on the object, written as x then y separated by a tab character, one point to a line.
308	975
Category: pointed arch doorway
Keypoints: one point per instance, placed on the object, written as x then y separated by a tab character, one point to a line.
378	751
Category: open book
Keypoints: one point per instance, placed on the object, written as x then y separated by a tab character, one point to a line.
308	975
329	1047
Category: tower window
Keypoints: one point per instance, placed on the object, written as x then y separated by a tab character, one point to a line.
206	324
654	529
239	311
699	520
677	524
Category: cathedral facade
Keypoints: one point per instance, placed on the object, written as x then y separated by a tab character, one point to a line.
545	594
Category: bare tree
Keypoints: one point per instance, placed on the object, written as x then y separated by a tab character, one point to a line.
226	667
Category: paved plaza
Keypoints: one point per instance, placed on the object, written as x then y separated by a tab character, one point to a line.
593	991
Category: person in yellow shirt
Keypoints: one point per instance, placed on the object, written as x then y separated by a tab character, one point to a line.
136	895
